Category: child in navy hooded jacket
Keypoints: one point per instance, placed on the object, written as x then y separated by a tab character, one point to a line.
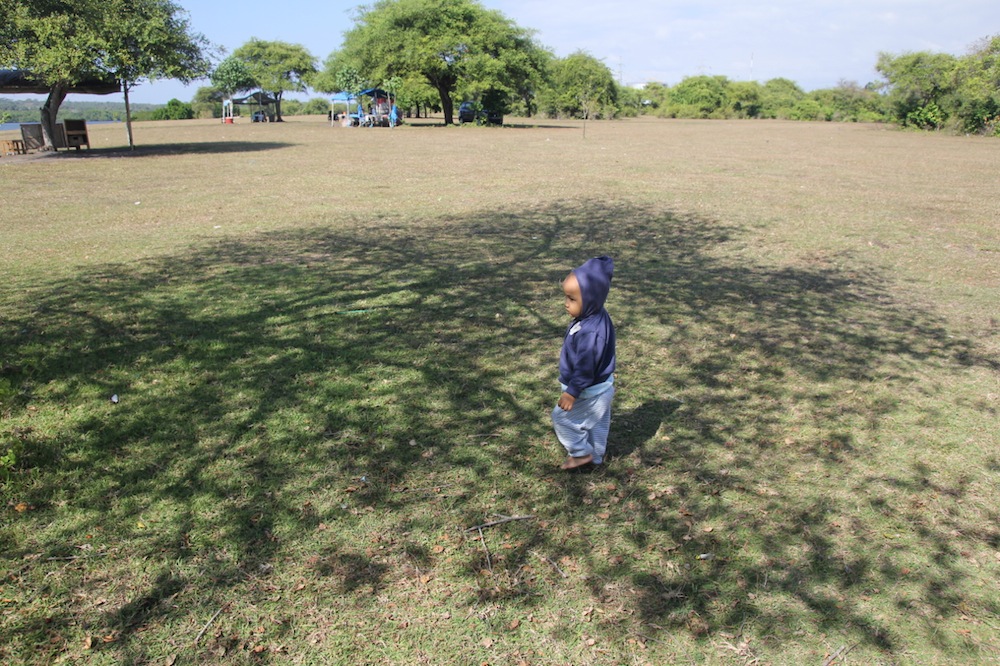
582	418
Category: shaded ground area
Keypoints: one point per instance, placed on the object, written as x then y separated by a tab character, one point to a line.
309	420
197	147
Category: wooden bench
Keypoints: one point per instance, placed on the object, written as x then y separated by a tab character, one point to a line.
76	133
13	147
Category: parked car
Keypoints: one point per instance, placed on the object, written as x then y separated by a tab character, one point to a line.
467	113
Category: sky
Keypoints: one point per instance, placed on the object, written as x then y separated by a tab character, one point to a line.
816	44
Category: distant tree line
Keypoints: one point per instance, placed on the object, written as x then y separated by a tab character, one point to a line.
718	97
26	111
920	90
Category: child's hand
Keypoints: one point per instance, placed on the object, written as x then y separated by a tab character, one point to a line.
566	402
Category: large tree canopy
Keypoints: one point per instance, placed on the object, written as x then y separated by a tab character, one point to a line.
581	87
933	90
62	43
233	76
444	42
917	85
151	39
278	67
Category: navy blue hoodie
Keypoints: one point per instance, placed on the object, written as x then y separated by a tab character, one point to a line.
588	351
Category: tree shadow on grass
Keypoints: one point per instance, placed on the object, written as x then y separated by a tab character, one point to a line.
181	148
298	379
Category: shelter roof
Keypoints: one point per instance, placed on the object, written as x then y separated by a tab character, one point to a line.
255	98
14	81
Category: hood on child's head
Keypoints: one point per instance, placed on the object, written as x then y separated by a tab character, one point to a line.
594	277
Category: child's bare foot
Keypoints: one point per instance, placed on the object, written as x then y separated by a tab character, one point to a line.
573	463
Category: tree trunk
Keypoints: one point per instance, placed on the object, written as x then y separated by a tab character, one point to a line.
277	107
49	113
128	117
447	106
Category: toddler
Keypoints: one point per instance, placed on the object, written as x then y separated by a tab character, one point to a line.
582	418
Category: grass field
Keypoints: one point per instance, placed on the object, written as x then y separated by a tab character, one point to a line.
333	354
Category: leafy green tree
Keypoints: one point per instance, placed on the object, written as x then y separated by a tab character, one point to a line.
700	97
850	102
581	86
278	67
978	94
654	96
63	44
417	96
293	107
745	99
60	43
151	39
778	98
444	42
809	109
207	102
919	86
350	80
629	101
317	106
174	110
232	76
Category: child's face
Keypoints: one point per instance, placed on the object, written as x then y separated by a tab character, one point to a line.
574	300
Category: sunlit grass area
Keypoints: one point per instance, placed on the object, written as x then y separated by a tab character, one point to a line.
279	394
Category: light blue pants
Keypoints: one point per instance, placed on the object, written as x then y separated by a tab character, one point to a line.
584	429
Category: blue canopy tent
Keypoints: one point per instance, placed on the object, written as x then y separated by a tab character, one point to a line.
344	98
379	108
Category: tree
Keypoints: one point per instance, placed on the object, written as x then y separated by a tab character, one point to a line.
232	76
778	98
581	86
278	67
349	80
978	94
700	97
151	39
444	42
174	110
655	96
744	98
850	102
207	102
58	43
63	44
918	85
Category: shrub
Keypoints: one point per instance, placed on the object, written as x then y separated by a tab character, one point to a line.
928	116
174	110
